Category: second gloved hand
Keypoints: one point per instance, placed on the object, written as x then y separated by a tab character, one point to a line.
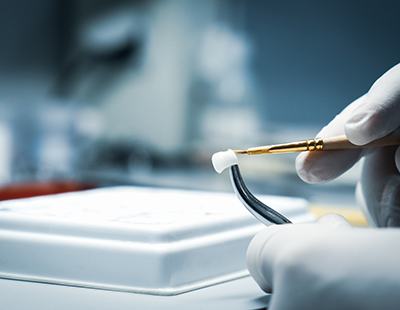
314	266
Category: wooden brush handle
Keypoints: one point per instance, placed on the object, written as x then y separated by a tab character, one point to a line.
342	143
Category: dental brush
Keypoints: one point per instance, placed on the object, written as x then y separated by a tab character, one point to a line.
318	144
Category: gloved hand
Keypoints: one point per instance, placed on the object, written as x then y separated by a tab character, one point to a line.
320	267
314	266
373	116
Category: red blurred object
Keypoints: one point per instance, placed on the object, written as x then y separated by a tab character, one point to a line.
31	189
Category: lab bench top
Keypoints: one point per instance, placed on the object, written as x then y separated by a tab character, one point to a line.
237	294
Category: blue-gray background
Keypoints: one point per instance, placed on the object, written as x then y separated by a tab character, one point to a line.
116	90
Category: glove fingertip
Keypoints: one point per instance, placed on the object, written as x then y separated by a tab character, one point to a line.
312	168
258	264
303	168
253	255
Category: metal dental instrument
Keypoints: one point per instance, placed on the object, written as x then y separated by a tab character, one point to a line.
326	144
267	215
261	211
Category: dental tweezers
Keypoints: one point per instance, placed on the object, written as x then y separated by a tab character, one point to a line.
260	210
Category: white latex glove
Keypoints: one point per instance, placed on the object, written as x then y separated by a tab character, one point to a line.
321	267
316	266
373	116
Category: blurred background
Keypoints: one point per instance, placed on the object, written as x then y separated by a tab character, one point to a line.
98	93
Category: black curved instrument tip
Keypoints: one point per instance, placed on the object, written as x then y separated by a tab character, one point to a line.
261	211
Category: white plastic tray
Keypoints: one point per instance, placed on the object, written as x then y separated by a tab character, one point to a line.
144	240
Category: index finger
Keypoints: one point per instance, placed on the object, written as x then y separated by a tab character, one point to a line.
314	167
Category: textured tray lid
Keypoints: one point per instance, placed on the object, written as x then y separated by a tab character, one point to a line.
164	233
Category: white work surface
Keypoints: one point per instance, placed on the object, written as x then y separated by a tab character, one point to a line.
237	294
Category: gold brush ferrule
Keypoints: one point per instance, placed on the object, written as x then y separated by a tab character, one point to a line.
292	147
